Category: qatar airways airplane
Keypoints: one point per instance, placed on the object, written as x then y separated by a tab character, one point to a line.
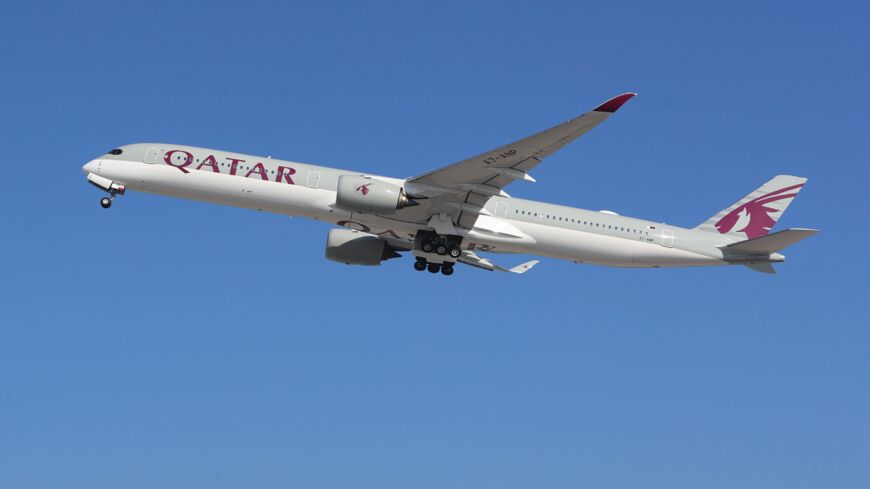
455	213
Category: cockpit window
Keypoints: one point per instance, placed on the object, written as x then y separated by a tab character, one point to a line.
116	151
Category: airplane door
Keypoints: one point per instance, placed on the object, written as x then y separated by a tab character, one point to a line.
668	238
501	209
151	154
313	180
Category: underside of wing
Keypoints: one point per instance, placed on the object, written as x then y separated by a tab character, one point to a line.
462	189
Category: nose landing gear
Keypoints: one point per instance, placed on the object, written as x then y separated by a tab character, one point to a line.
106	202
112	188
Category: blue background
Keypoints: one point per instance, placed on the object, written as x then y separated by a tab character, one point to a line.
169	343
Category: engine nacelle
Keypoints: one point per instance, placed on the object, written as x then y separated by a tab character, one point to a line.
357	193
357	248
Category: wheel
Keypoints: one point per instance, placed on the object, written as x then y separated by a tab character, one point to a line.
447	269
454	251
427	246
441	250
434	268
420	266
106	202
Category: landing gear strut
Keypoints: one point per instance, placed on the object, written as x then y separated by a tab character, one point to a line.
106	202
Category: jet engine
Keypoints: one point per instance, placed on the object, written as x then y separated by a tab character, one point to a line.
357	248
357	193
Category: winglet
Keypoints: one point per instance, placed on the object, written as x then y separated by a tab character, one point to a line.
615	103
525	267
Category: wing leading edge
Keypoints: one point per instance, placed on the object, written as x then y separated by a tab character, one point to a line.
458	189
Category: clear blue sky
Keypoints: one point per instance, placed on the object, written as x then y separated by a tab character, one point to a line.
168	343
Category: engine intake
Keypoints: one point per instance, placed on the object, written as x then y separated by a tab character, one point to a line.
357	248
357	193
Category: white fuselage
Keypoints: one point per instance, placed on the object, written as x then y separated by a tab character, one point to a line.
514	226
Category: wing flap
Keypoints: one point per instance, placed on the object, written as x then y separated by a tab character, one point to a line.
763	267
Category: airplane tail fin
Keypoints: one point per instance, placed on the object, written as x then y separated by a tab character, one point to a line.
753	216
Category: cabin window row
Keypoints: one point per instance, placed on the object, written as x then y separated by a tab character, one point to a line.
581	222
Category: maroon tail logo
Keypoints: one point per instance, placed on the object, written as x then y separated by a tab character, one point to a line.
760	221
363	189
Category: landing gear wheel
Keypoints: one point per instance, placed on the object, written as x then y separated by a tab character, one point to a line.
447	269
441	250
427	246
454	251
420	266
106	202
434	268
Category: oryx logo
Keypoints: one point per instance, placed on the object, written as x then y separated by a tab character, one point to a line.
363	189
754	217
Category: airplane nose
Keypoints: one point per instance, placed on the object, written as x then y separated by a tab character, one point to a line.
92	166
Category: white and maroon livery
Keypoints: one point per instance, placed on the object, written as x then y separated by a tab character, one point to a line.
457	212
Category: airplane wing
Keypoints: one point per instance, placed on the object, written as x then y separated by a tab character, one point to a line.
460	190
471	258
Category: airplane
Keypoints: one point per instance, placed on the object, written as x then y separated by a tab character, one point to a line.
457	213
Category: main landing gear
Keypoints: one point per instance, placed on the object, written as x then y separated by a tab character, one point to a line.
106	202
421	264
441	245
436	252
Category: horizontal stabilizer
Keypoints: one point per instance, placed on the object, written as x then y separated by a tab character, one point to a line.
470	258
770	243
525	267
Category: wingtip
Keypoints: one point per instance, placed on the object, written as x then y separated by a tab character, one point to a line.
615	103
